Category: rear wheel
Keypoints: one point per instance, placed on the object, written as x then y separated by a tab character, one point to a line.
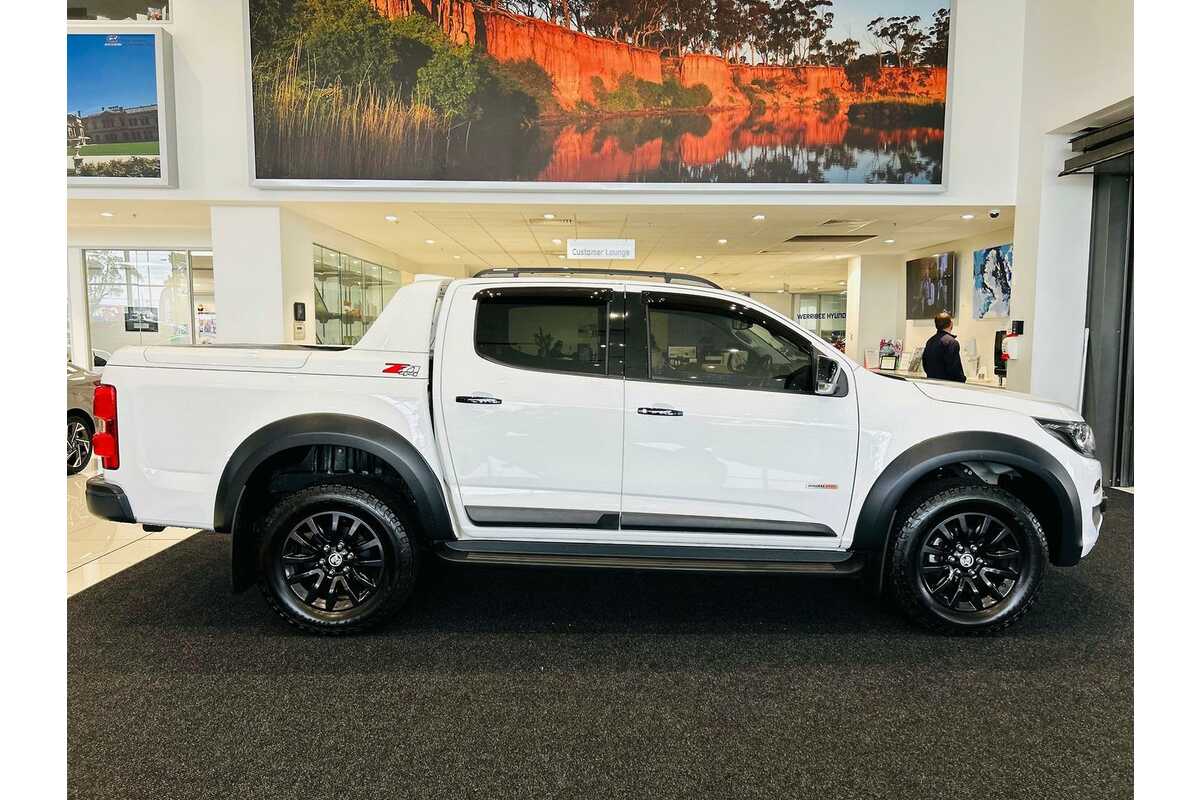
336	559
79	443
968	560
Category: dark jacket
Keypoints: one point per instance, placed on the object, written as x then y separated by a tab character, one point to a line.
941	359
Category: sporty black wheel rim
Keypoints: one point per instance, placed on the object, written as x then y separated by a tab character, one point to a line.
79	444
333	561
971	562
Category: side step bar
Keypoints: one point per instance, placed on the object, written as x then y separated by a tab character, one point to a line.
653	557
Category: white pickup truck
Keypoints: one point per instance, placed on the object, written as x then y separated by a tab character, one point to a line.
595	422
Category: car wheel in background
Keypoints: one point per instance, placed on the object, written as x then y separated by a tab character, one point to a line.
968	560
335	559
79	443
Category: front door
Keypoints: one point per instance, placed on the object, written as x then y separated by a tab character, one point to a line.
531	404
724	434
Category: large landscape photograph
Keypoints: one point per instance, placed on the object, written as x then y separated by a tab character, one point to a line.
679	91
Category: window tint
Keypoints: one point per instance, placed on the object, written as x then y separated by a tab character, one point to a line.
556	330
692	340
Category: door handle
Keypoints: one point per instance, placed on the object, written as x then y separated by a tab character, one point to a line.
478	400
659	411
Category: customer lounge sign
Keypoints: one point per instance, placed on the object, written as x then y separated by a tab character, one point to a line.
601	249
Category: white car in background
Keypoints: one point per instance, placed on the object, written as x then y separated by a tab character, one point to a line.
80	425
592	421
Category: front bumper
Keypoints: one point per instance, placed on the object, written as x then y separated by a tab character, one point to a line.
107	500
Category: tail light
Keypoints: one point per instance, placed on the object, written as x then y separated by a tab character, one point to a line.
104	441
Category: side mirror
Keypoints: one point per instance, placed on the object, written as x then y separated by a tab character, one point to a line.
831	380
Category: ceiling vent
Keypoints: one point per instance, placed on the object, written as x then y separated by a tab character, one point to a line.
830	238
850	225
557	221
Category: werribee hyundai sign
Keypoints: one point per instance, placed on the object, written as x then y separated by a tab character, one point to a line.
605	249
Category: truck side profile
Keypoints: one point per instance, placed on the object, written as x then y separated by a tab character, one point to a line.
603	422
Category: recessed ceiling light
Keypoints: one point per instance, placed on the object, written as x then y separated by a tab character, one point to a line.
889	241
391	218
968	216
547	216
457	257
699	257
556	241
563	257
779	291
722	241
770	276
107	214
759	217
841	283
430	241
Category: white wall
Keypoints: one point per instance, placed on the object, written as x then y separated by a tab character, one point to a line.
247	274
778	301
1077	70
981	331
212	111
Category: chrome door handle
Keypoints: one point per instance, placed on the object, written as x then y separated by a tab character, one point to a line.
478	400
659	411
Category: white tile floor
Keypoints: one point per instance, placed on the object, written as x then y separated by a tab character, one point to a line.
98	549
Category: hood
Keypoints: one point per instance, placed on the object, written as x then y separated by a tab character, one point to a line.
988	397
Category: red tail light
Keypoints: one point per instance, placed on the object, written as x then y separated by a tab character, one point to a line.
104	441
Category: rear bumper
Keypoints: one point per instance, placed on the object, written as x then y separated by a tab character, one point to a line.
108	501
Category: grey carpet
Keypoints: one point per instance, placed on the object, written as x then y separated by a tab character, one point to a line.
534	683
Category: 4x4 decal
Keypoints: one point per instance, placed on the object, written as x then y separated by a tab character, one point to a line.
407	370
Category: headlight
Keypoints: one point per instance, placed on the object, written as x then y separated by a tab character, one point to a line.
1075	435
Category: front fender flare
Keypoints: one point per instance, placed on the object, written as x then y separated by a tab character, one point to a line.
874	525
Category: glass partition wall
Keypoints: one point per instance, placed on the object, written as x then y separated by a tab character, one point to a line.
349	294
824	315
141	297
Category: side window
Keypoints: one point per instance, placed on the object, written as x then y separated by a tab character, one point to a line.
557	330
696	340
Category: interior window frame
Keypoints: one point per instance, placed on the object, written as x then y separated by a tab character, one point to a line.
639	321
613	339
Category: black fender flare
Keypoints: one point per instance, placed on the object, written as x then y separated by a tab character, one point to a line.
329	429
875	519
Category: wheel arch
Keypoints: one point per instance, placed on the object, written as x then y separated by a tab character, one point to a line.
1052	490
307	430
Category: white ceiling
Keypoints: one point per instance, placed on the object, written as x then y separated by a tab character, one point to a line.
671	238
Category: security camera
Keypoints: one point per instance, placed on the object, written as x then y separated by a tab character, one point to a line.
994	214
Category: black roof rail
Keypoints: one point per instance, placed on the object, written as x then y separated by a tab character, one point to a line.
516	272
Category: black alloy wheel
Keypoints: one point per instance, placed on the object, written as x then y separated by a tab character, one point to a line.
79	444
970	562
970	559
336	558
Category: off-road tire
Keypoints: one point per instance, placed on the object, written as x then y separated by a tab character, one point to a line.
396	550
905	556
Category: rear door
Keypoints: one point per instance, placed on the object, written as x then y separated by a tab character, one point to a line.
530	394
725	438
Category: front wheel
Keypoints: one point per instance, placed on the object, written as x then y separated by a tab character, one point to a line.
969	560
335	559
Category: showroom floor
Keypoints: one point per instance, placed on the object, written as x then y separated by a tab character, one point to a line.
98	549
509	683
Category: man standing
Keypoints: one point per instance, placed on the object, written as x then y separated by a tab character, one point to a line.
941	359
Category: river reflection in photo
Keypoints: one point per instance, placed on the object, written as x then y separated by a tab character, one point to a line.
777	146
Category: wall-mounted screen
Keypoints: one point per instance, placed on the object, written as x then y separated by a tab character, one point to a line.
930	286
119	10
119	126
848	92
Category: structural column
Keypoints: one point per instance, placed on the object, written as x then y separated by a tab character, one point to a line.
248	272
77	303
874	303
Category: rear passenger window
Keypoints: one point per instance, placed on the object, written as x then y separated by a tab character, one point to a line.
558	330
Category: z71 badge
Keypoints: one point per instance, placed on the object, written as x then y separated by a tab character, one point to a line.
407	370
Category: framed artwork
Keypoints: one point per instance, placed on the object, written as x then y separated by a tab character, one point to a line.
153	11
451	94
930	286
993	273
120	107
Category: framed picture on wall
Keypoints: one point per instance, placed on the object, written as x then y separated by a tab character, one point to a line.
120	107
930	286
993	274
517	96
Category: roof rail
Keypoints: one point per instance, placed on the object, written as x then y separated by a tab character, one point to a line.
516	272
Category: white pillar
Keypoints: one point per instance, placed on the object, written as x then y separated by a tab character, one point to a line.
1052	240
248	280
77	301
874	303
